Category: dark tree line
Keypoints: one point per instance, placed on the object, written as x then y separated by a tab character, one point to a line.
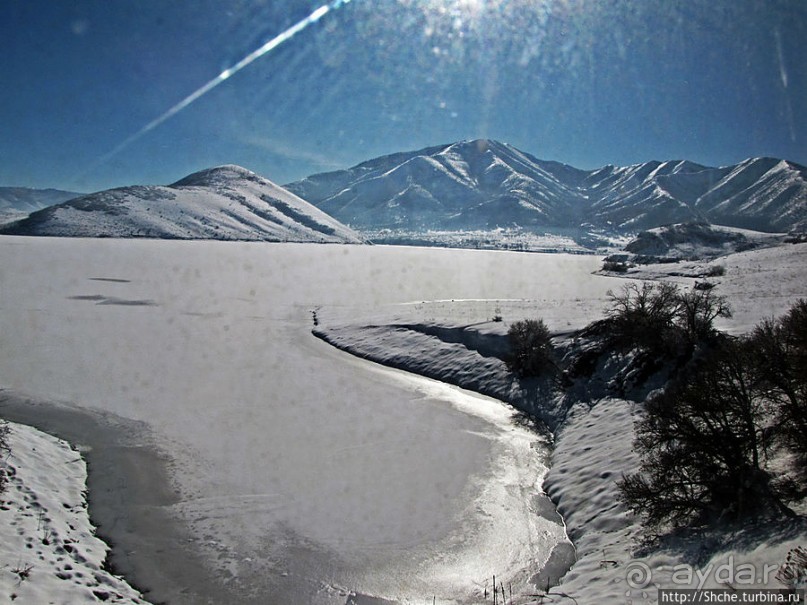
707	439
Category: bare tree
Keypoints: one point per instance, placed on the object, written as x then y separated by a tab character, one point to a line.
697	311
702	446
780	354
658	317
643	315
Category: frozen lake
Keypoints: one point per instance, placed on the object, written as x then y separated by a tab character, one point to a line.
302	470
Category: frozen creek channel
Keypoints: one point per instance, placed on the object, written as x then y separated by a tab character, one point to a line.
301	473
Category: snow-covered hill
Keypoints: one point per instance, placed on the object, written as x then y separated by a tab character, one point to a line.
482	184
696	240
225	203
18	202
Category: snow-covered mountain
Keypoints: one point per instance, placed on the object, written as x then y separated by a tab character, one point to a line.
485	184
226	203
17	202
469	185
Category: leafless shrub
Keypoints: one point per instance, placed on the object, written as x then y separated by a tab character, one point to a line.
531	347
716	271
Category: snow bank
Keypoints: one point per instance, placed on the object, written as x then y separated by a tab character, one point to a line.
593	449
471	357
48	549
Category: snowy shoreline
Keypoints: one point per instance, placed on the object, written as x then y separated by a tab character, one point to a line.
470	357
128	497
122	532
592	448
49	550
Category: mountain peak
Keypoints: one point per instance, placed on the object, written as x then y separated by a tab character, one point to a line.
216	176
480	147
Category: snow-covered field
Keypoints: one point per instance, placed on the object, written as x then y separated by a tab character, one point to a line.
306	475
299	470
759	284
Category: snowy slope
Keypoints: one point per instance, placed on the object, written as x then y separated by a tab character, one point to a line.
759	190
643	195
31	200
225	203
482	184
696	240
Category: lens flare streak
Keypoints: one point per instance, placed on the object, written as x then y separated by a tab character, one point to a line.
224	75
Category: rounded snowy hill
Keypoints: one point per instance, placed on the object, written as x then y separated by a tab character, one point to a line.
223	203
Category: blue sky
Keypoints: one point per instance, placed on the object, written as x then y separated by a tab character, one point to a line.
585	82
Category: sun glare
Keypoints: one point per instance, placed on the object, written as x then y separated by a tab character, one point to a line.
470	5
454	18
463	9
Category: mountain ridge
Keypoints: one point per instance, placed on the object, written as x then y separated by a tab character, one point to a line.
469	187
483	184
17	202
